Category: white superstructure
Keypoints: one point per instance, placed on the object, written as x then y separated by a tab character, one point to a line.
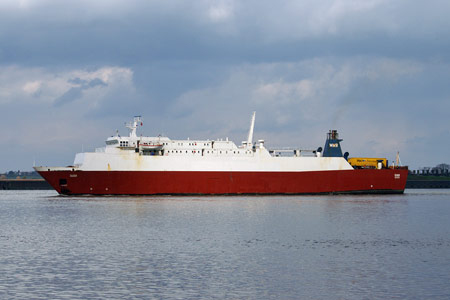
138	153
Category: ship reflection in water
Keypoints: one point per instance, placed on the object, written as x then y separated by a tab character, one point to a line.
290	247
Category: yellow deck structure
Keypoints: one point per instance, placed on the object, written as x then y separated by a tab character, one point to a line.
367	162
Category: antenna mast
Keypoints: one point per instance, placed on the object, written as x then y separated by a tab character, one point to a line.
250	132
133	125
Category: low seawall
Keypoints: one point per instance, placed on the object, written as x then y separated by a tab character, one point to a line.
24	184
428	184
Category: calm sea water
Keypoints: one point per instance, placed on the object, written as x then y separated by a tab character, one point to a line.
284	247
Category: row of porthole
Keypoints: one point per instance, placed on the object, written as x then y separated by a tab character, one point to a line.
194	151
190	144
176	151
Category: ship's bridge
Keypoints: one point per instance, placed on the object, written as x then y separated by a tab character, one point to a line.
131	143
164	146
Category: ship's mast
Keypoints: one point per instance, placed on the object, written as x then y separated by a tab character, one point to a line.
133	125
250	132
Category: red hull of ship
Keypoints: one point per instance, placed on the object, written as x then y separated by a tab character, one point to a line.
199	182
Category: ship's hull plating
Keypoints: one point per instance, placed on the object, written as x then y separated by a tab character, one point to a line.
231	183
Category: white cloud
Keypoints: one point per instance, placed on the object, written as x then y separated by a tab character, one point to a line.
301	101
50	111
328	17
20	84
32	87
220	11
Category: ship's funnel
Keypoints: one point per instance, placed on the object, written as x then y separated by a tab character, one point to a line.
332	145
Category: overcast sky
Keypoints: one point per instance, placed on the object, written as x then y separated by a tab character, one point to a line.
72	72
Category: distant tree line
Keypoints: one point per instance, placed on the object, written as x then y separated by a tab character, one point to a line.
439	170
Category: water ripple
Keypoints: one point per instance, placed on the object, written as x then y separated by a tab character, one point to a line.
312	247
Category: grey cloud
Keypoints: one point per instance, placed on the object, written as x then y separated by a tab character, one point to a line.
71	95
75	93
255	32
77	81
95	82
84	84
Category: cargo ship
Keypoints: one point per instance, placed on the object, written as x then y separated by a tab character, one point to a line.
137	165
